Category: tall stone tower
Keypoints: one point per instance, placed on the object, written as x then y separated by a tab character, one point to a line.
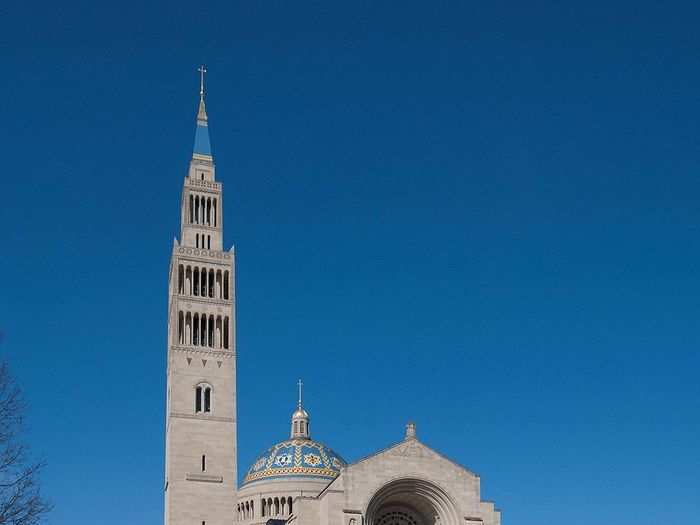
200	435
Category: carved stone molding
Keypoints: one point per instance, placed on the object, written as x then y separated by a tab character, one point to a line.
410	449
203	351
202	417
204	477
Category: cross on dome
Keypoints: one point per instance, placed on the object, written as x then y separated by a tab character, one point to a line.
300	419
301	384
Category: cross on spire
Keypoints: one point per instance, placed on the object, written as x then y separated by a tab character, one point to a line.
202	70
301	384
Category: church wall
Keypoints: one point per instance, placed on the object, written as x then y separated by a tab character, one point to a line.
411	460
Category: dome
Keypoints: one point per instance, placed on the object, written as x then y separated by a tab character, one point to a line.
296	458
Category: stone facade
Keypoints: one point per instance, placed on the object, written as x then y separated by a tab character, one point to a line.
200	435
299	481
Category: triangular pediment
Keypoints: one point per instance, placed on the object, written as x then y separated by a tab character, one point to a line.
412	449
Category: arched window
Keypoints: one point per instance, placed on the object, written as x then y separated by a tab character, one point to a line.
195	286
198	399
191	209
180	279
226	333
202	400
207	399
215	217
226	284
195	330
263	507
289	504
180	327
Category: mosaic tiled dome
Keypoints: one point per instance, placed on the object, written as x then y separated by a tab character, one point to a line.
296	458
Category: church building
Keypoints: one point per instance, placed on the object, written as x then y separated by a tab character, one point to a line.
297	481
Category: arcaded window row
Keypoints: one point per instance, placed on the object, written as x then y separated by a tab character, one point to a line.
246	510
203	330
203	282
203	210
270	507
276	506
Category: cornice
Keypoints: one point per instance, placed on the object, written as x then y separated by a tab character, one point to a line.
201	254
228	354
182	415
211	301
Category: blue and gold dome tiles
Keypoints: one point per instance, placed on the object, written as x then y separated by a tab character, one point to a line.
296	458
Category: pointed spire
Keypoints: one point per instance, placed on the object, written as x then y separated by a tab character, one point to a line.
202	146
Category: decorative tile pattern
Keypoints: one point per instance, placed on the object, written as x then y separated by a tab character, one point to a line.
296	457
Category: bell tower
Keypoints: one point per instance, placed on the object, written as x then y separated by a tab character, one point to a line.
200	434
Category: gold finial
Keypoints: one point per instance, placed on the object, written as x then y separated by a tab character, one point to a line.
300	386
201	70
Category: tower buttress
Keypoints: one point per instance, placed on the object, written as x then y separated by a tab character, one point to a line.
200	436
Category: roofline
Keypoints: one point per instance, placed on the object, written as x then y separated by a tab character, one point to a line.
396	444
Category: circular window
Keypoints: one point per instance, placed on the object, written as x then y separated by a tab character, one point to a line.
397	517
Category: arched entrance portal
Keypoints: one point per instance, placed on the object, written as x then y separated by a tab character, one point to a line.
411	501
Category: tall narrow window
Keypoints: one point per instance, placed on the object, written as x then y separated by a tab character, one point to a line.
191	209
226	333
204	463
198	399
215	217
207	399
226	284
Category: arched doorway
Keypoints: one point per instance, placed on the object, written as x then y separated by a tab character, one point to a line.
411	501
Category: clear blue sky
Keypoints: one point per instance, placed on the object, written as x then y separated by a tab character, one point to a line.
479	215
